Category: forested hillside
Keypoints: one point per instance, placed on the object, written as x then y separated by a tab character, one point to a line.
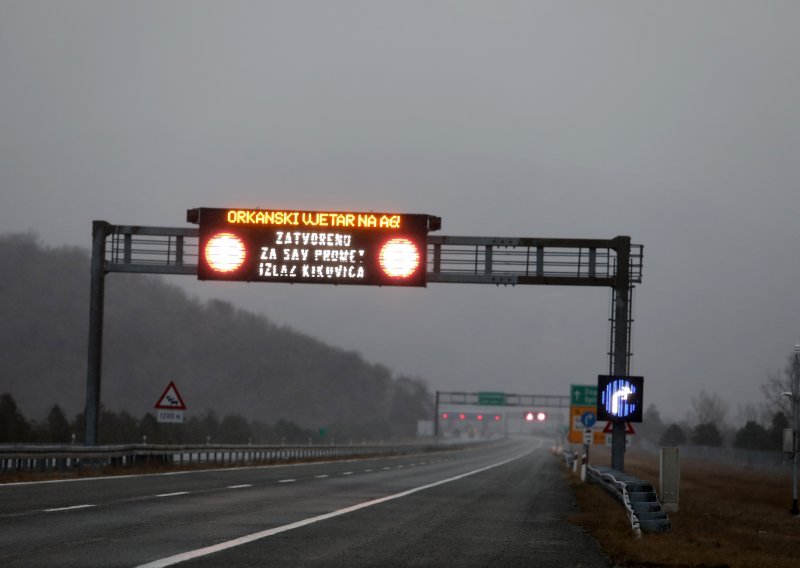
220	357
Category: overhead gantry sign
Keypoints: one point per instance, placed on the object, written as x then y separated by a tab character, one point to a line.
380	249
313	247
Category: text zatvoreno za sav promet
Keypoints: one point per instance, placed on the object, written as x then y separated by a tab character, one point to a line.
344	259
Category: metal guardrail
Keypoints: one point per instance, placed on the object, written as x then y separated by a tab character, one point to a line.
637	496
619	490
63	458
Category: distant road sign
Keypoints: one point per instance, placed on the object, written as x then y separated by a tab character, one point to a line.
628	428
170	416
492	398
576	425
583	395
171	399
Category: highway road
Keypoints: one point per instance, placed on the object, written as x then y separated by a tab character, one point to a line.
501	506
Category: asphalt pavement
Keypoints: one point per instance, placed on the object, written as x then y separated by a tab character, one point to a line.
503	506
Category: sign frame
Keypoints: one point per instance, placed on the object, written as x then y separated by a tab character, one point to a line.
631	409
313	247
169	405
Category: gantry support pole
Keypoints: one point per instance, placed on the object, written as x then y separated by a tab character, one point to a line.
436	417
100	231
621	291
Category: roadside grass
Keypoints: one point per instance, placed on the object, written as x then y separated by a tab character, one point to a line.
729	517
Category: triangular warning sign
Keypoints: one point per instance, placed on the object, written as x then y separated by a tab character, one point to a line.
171	399
628	428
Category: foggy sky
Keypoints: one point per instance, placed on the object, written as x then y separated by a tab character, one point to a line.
676	123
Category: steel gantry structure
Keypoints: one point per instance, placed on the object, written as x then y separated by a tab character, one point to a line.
614	263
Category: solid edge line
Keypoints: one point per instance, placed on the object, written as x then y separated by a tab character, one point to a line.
184	556
72	508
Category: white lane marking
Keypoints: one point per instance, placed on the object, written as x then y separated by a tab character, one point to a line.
173	494
73	508
347	473
367	471
239	486
286	480
200	552
322	476
387	468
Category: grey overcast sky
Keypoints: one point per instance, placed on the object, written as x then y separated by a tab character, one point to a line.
677	123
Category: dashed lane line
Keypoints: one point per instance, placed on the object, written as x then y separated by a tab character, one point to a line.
72	508
200	552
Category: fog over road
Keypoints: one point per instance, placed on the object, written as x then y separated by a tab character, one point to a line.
503	506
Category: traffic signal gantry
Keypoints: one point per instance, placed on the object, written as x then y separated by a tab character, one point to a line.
386	249
530	408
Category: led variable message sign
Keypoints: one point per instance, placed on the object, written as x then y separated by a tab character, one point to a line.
319	247
620	398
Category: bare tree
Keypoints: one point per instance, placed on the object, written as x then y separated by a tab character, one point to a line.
708	409
778	382
752	412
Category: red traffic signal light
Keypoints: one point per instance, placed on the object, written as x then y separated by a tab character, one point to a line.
535	416
224	252
399	258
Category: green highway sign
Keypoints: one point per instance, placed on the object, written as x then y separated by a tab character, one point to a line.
492	398
583	395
